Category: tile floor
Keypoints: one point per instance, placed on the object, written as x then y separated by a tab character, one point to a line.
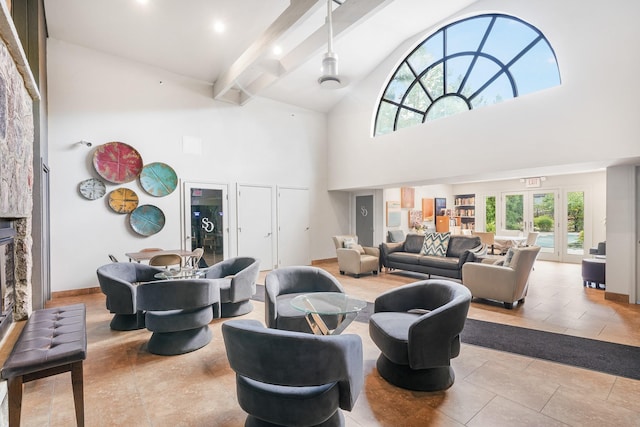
126	386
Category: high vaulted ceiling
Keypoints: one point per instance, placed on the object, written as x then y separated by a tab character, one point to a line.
179	36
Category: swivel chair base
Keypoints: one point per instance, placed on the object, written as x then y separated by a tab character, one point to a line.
179	342
233	309
432	379
336	420
127	322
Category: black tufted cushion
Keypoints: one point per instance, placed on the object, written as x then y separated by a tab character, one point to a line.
52	337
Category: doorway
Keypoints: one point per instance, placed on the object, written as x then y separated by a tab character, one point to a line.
528	211
205	223
364	220
255	223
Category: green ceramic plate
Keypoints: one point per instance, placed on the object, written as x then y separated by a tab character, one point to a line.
147	220
158	179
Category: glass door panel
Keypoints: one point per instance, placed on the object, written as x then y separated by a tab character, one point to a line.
544	221
532	211
513	219
205	206
575	223
490	214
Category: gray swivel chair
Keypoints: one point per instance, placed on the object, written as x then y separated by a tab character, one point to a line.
284	284
287	378
417	329
178	313
118	282
236	278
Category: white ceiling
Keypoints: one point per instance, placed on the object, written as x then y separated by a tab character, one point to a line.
178	36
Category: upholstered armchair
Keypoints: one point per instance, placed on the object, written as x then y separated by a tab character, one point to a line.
178	313
507	283
118	281
236	278
284	284
354	258
417	329
306	385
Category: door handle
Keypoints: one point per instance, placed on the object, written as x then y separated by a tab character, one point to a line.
268	234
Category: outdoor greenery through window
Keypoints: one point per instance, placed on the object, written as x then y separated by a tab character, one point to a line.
469	64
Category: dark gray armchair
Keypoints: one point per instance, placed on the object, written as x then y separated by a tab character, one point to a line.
178	313
118	282
284	284
292	378
236	278
417	329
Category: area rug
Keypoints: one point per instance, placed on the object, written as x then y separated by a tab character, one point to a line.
615	359
610	358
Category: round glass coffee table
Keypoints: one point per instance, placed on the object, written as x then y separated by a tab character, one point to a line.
315	304
183	273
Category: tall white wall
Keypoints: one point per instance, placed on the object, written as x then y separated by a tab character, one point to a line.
589	118
101	98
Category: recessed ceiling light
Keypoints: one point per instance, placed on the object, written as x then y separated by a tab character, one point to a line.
277	50
143	2
219	27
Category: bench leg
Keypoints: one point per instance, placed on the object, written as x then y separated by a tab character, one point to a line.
78	393
15	400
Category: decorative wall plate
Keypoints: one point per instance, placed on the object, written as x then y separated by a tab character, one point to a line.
147	220
92	188
123	200
158	179
117	162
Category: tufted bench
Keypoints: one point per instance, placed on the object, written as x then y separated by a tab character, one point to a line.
53	341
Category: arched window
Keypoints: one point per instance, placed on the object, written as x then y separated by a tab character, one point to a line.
468	64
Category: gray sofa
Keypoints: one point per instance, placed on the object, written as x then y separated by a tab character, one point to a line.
406	255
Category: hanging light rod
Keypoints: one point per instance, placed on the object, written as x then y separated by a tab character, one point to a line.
329	71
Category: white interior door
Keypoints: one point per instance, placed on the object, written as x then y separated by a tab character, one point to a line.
255	223
293	227
205	220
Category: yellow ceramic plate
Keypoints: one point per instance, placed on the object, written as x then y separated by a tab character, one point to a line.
123	200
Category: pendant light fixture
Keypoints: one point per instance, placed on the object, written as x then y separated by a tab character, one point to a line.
329	71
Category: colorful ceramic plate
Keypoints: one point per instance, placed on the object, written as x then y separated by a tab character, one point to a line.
158	179
92	188
147	220
123	200
117	162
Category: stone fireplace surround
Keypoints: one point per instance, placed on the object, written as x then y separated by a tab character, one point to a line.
18	91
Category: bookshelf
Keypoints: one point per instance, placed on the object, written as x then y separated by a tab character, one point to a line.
465	209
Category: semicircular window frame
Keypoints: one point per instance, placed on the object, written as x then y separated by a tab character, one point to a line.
493	67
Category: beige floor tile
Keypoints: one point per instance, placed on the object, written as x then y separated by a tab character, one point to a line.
581	410
501	412
520	386
626	393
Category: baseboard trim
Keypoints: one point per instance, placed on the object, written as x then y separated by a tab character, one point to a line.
610	296
75	292
323	261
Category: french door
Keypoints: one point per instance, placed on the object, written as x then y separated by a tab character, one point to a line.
205	220
537	211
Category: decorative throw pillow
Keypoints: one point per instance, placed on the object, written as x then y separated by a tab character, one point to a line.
508	257
435	244
358	248
348	242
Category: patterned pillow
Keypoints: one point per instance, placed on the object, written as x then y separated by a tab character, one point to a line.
508	257
435	244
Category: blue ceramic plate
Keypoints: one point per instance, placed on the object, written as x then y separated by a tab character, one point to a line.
147	220
158	179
